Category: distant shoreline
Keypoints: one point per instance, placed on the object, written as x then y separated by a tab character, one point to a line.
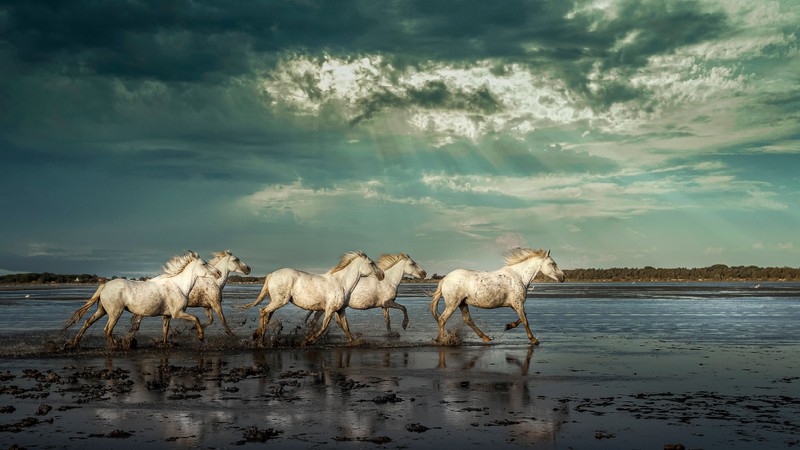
43	286
719	273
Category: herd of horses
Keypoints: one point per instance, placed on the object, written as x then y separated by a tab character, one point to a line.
357	282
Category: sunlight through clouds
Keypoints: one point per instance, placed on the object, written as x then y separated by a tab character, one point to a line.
615	132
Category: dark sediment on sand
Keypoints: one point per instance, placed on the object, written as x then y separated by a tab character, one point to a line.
419	396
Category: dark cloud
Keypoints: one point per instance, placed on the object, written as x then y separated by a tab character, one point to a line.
175	40
432	95
186	40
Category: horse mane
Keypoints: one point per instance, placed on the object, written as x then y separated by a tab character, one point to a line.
347	258
218	256
176	265
386	261
519	255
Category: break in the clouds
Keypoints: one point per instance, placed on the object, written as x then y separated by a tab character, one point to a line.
613	132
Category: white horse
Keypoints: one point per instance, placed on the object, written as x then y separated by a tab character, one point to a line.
165	295
504	287
371	293
207	292
328	292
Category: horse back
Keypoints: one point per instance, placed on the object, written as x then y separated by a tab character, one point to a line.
306	290
482	289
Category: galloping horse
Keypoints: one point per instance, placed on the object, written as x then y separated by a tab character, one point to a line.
328	292
207	292
371	293
165	295
507	286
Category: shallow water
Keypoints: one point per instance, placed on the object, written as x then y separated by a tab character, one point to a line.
620	366
724	313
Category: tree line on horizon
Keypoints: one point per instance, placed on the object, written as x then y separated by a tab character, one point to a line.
717	272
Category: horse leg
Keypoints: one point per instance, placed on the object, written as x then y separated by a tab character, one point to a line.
520	309
186	316
341	319
325	322
94	318
448	311
468	319
387	320
136	322
209	315
113	317
395	305
165	330
218	309
513	324
264	315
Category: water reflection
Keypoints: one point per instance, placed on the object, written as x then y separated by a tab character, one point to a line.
319	394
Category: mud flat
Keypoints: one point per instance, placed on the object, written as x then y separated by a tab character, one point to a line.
607	395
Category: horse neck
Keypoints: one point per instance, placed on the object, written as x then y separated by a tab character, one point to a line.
527	270
224	271
393	275
185	280
347	278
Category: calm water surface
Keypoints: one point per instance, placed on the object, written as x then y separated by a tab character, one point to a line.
725	314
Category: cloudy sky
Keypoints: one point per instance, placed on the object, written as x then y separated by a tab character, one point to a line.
617	133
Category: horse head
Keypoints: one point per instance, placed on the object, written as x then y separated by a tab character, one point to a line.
413	269
205	269
550	268
367	267
230	262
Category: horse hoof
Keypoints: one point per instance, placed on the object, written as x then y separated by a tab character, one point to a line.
535	342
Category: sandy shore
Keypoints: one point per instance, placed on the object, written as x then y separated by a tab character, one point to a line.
643	395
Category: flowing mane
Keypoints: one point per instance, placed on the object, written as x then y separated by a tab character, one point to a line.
176	265
385	262
347	258
519	255
218	256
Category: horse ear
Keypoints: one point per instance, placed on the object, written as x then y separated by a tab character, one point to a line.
548	252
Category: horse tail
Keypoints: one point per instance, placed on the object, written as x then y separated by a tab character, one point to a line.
435	303
261	295
76	316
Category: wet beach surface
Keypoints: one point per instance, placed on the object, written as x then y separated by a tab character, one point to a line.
620	366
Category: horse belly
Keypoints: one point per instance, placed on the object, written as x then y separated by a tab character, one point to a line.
314	296
487	299
367	294
203	295
149	301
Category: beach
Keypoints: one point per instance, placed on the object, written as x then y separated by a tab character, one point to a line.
697	367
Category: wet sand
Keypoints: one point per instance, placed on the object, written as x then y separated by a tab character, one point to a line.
577	390
610	394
